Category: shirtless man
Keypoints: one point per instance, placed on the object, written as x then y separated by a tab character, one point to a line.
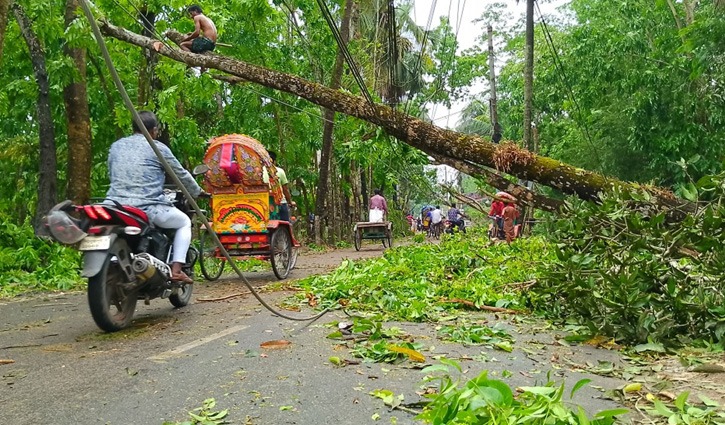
203	39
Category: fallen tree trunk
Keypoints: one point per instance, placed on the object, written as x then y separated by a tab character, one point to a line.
521	193
506	157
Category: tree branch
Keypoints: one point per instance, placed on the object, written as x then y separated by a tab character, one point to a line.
521	193
417	133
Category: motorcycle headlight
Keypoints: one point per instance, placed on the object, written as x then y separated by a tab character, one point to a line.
64	229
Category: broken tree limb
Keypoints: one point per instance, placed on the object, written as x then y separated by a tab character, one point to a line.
521	193
464	199
427	137
472	305
229	79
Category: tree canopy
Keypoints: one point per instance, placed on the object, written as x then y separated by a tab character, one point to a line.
628	90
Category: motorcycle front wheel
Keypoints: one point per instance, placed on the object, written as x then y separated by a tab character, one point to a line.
112	306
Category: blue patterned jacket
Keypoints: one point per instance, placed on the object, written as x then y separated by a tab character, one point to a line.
137	176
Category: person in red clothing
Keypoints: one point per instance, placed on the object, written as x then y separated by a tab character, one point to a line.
497	207
496	214
510	214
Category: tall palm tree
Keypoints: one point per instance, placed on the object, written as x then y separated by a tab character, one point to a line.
475	117
397	45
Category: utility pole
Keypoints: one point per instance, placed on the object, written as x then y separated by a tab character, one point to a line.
529	75
493	105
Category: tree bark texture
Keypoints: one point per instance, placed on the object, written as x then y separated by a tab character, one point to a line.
493	103
147	72
77	113
48	164
521	193
529	75
427	137
328	126
4	16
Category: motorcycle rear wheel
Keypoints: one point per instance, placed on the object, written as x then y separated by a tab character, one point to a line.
181	296
112	306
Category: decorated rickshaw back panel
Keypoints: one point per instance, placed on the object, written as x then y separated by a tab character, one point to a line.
240	213
243	182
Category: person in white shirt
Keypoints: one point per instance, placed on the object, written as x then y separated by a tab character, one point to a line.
436	218
436	215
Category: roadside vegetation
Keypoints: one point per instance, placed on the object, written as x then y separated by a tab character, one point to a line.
31	264
619	274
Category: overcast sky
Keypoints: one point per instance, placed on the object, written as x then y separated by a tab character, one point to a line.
462	14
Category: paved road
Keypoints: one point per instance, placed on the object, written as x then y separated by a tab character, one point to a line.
68	372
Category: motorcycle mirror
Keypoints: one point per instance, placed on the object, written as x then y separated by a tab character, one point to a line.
200	169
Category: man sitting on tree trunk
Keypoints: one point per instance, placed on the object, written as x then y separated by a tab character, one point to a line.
203	39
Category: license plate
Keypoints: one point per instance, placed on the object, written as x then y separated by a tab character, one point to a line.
95	243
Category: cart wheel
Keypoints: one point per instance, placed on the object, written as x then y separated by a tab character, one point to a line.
389	235
211	266
358	238
281	252
295	253
385	241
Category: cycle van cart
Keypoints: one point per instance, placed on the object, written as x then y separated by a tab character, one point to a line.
373	230
245	199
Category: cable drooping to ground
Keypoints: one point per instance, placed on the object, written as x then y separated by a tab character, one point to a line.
129	105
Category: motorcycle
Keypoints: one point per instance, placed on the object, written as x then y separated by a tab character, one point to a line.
125	258
450	228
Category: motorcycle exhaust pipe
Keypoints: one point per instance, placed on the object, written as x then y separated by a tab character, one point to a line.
150	269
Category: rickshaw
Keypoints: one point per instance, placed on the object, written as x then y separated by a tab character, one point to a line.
424	219
245	200
373	230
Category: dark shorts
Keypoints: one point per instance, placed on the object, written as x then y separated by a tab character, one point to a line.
202	44
284	212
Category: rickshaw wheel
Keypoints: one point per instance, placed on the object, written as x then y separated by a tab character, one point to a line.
211	266
281	252
295	254
358	238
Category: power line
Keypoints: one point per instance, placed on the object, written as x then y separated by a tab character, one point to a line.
417	68
156	34
346	53
288	104
583	127
146	24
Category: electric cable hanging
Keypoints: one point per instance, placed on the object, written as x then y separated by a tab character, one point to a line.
459	18
393	54
146	24
346	53
583	127
418	66
134	114
163	40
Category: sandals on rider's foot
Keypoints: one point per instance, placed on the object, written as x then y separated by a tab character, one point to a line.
181	277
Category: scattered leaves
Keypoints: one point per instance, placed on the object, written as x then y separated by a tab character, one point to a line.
275	344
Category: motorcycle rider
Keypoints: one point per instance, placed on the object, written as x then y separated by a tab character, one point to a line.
436	219
137	179
455	216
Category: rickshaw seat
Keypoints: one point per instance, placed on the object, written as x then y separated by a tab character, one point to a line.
227	163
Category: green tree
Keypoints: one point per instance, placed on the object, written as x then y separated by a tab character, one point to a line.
47	179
